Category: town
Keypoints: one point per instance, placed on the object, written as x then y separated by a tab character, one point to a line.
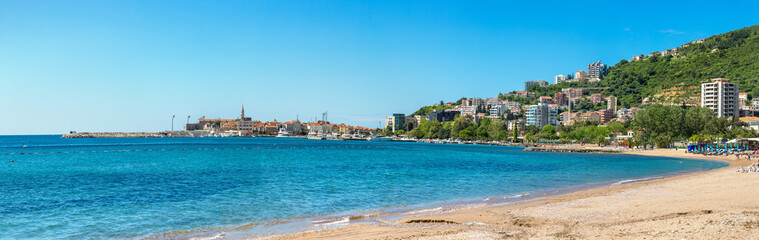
582	114
247	127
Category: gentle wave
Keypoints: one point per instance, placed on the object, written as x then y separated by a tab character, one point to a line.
331	221
634	180
507	197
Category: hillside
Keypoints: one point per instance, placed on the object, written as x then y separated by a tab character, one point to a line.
733	55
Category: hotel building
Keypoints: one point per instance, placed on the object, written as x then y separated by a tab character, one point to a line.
542	114
528	84
559	79
396	121
596	69
721	97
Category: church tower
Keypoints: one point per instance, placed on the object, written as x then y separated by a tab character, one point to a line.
242	113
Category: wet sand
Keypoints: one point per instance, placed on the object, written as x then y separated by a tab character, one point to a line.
718	204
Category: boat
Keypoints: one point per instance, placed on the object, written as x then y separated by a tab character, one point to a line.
355	136
407	139
332	136
283	133
315	136
379	138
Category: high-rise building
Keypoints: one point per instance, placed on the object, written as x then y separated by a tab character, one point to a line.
596	69
611	103
560	98
559	79
721	96
396	121
528	84
541	115
580	75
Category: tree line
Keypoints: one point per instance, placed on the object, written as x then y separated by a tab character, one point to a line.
657	124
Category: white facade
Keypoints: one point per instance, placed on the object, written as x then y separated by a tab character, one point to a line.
516	124
579	75
470	111
541	115
595	69
497	110
611	103
753	122
721	97
510	104
559	79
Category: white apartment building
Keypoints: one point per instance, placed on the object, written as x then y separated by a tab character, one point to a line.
596	69
579	75
559	79
510	104
721	97
497	110
611	103
542	114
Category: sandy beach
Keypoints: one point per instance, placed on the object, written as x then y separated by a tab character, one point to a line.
718	204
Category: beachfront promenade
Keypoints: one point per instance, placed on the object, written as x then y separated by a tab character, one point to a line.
718	204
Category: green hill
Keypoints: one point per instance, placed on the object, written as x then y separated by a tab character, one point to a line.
677	78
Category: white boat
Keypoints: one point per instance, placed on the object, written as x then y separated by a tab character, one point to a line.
283	133
316	136
332	136
352	137
379	138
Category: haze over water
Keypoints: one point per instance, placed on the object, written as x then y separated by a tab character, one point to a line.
164	185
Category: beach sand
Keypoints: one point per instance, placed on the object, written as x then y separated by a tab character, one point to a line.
718	204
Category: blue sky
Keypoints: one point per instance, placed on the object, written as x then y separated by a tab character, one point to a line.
131	65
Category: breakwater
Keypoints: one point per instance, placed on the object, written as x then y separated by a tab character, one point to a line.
575	150
135	134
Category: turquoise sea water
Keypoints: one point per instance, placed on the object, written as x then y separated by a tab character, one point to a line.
138	187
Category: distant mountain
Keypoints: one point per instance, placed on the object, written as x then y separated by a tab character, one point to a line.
676	77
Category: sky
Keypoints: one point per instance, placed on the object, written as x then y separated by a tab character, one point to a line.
131	65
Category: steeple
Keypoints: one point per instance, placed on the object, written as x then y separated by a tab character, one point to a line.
242	113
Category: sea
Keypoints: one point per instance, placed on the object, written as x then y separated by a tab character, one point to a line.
166	188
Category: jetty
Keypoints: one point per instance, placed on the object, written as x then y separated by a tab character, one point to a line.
576	150
135	134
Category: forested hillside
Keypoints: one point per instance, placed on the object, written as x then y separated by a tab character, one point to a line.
733	55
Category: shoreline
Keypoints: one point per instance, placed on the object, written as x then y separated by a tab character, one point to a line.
478	221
